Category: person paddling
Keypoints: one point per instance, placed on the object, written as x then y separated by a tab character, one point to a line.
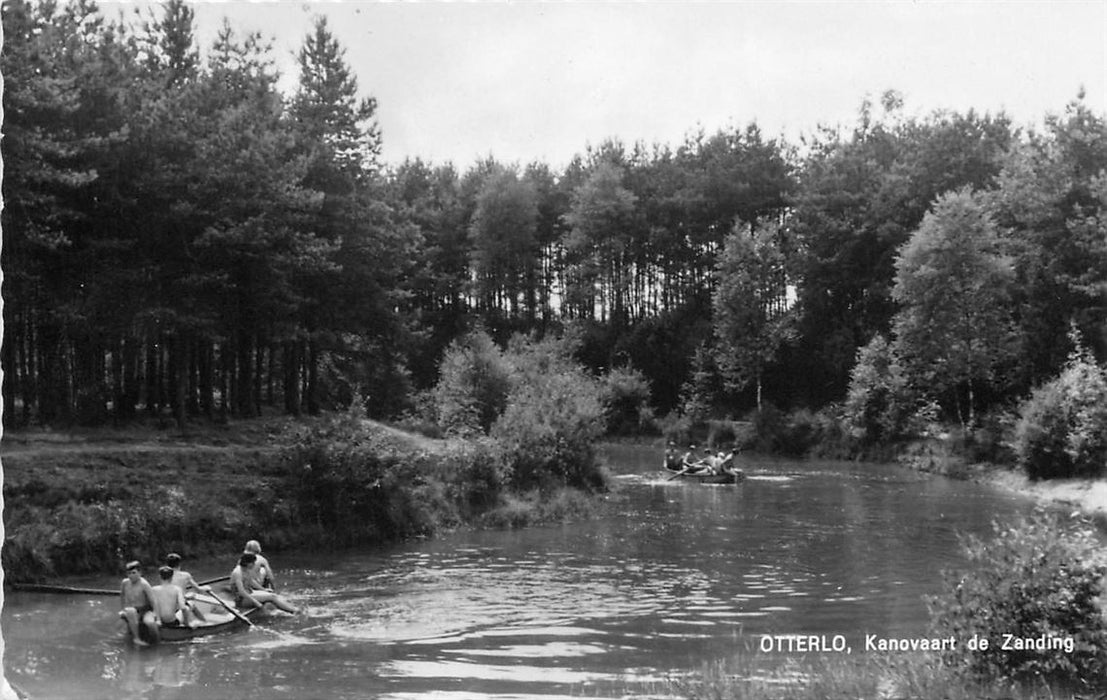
137	603
184	581
246	595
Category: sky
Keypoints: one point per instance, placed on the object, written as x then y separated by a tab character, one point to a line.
541	81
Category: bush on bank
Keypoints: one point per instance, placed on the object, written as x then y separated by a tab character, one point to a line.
552	412
1038	579
1062	427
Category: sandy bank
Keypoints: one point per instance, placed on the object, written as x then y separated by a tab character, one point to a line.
1087	495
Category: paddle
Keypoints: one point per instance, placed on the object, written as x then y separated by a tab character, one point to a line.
75	590
229	609
43	588
682	471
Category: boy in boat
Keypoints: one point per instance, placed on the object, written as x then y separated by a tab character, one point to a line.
169	602
246	595
137	600
184	581
263	573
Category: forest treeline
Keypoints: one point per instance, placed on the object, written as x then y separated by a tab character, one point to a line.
183	239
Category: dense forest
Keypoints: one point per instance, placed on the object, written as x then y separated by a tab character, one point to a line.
183	240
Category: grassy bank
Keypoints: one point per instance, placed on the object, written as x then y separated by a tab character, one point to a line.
78	503
914	676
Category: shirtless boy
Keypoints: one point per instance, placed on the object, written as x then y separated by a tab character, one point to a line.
184	581
246	595
169	602
136	598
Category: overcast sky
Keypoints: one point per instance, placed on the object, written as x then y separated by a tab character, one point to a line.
528	81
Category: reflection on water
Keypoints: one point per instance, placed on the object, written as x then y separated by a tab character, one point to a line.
672	575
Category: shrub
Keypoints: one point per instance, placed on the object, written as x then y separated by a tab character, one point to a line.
553	418
676	428
626	398
877	404
473	385
1062	427
1037	579
789	434
722	432
549	429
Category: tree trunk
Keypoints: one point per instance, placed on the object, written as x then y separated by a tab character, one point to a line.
313	378
292	378
179	365
244	387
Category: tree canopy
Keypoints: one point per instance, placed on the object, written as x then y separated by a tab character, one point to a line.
183	240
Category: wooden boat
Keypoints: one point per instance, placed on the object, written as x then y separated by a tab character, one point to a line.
216	619
730	476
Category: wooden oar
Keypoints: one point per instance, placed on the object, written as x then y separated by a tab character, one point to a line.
229	609
221	579
681	472
44	588
76	590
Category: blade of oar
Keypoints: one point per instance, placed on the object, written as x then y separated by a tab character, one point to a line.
231	610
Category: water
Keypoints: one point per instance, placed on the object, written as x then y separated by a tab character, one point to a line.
670	576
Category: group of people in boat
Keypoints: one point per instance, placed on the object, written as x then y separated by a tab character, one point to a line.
711	461
169	602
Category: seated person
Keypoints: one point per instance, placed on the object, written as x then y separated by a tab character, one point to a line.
169	603
689	463
726	462
184	581
263	573
672	459
136	598
709	462
246	594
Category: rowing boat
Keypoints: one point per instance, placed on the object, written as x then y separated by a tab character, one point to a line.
216	619
705	477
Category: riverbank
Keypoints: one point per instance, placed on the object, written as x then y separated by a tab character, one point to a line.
84	502
941	456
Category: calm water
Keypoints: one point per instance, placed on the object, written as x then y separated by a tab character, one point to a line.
670	576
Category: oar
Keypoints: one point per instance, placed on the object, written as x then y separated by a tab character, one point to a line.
44	588
221	579
682	471
229	609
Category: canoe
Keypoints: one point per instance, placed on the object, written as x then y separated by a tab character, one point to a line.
216	620
727	477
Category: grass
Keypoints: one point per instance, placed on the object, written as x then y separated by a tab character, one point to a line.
915	676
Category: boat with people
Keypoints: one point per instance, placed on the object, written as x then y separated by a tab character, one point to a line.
712	468
216	618
727	477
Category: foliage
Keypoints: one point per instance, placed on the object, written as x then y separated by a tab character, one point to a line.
1062	427
798	433
182	238
847	677
504	244
752	319
676	428
554	416
626	400
954	326
700	393
473	386
878	401
1038	578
